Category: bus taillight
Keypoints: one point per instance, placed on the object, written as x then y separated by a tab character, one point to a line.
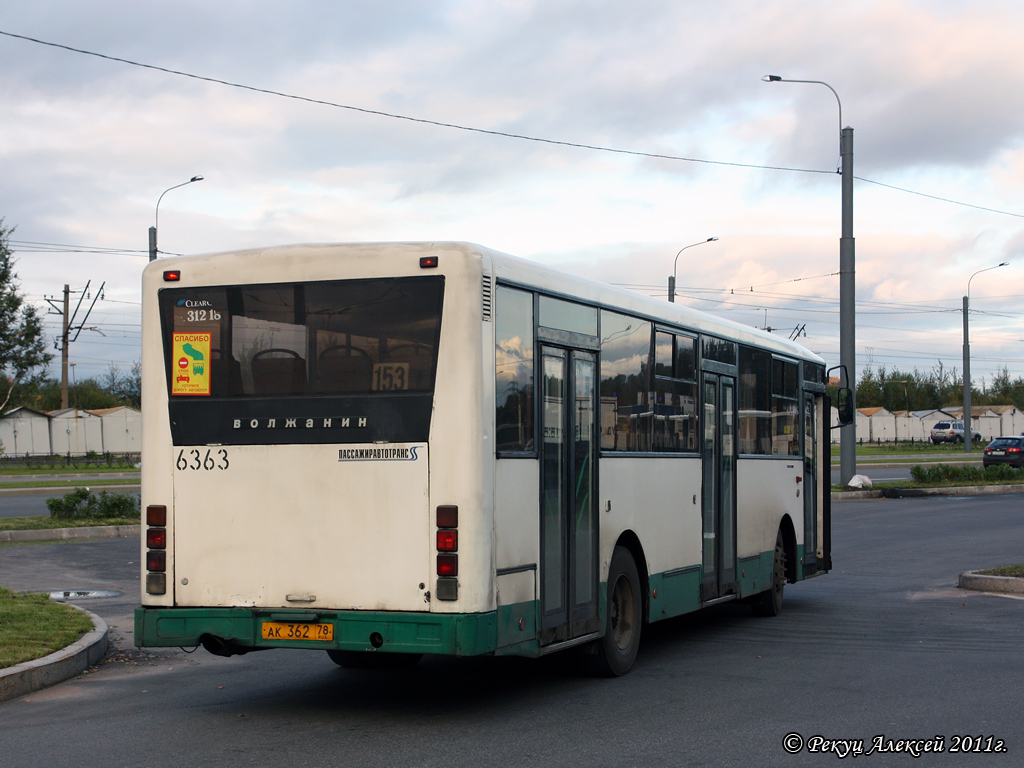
447	565
447	541
156	543
447	517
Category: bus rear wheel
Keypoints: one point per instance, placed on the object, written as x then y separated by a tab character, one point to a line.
769	602
613	655
370	660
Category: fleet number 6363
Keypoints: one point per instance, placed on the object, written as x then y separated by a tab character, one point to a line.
195	459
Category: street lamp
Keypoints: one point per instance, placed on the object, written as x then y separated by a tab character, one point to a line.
968	429
672	277
847	287
156	220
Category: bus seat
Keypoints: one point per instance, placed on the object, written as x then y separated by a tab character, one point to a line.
278	371
343	368
420	359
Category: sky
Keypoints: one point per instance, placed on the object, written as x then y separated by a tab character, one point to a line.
934	91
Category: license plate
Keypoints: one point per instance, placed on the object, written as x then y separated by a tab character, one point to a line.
295	630
997	453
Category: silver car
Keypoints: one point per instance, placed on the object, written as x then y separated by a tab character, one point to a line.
952	432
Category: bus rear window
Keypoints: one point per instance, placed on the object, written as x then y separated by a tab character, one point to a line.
302	339
345	361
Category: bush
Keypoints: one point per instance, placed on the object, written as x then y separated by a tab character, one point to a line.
81	504
960	473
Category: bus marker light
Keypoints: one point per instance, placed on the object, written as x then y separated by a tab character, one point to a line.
428	262
447	516
172	275
156	514
447	565
156	560
447	589
156	538
447	541
156	583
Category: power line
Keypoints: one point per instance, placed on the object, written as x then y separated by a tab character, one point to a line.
409	118
486	131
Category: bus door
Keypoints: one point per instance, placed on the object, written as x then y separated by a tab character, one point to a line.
810	491
719	497
568	526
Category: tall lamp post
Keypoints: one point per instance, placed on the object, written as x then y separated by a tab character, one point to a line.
968	428
847	286
156	219
672	277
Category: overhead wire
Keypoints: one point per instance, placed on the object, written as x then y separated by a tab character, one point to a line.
485	131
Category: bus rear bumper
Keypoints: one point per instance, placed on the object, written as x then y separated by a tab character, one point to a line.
229	631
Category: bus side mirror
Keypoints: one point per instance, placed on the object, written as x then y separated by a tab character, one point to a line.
844	396
844	404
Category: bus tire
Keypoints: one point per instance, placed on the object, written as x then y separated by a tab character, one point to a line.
616	651
370	660
769	602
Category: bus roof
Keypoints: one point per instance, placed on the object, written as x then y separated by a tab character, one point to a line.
518	271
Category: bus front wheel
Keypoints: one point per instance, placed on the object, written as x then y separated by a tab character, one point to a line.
614	654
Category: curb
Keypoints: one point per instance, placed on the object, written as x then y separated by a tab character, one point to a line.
57	667
979	582
901	493
56	534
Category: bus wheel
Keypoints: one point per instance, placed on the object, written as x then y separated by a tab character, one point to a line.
616	651
369	660
769	603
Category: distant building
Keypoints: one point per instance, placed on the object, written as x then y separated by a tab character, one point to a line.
75	432
121	428
25	432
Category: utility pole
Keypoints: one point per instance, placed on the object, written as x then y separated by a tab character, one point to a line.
64	350
69	326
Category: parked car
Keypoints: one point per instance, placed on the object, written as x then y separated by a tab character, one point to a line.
952	432
1005	450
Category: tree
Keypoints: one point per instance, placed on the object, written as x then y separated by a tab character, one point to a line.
22	344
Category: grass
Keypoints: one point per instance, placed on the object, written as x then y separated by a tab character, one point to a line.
47	470
42	522
1016	571
86	483
891	449
33	626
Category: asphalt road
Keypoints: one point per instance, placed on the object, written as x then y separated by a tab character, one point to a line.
884	646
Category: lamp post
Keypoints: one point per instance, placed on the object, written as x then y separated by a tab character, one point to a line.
156	219
672	277
968	429
847	286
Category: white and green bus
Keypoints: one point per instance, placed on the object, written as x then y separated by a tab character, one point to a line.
394	449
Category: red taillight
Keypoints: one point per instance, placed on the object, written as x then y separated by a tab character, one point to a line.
447	565
156	514
172	275
1013	450
428	262
447	517
447	541
156	560
156	538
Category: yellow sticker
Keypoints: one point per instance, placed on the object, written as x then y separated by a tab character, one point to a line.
191	356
